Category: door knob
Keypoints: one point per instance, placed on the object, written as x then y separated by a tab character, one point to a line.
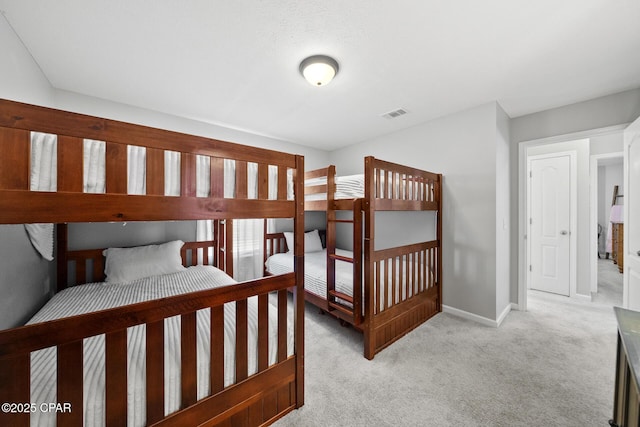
564	232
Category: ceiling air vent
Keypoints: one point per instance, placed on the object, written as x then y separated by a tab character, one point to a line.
395	113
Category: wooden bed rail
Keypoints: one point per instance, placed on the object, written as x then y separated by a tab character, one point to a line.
405	290
325	185
67	334
17	121
391	186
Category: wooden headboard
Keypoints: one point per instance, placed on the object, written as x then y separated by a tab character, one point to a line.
78	267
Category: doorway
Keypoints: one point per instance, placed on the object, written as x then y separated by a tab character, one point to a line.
552	207
585	143
606	172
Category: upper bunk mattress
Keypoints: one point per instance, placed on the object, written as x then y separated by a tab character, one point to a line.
347	187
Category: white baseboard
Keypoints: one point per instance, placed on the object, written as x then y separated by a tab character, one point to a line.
478	319
515	306
503	315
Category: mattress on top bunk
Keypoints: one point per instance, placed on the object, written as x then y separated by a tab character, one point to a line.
100	296
315	270
347	187
352	187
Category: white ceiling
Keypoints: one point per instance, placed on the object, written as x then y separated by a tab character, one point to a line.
235	63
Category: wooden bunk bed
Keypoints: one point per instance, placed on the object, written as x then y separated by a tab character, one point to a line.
392	290
259	398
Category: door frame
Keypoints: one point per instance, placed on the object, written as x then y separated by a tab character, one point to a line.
573	215
593	216
522	184
628	255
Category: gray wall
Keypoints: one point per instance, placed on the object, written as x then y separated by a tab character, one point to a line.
503	191
461	146
26	277
23	273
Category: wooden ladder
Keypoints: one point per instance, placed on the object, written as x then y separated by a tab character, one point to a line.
349	306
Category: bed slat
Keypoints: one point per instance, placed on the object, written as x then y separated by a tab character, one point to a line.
282	325
70	155
282	183
216	370
263	332
69	379
263	181
14	378
217	177
241	179
155	172
116	378
15	147
188	174
188	366
241	340
155	371
116	168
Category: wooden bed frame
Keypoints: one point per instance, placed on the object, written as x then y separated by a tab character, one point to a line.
385	320
257	399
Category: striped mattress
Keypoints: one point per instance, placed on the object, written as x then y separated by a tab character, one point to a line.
100	296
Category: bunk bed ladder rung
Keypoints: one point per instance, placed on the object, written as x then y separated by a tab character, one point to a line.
341	258
336	305
337	294
344	221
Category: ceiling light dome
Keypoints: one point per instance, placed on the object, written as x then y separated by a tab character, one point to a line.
319	70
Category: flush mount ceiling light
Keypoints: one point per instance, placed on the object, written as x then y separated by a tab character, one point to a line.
319	69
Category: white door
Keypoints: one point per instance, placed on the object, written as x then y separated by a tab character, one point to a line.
550	223
631	260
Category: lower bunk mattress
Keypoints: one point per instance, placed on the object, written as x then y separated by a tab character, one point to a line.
315	276
99	296
315	270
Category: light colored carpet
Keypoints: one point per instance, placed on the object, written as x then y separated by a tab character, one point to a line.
609	283
550	366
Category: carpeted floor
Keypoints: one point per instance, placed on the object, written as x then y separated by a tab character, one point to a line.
550	366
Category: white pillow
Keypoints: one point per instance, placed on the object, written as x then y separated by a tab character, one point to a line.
288	236
312	242
127	264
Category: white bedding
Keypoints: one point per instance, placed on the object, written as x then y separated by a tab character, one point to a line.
352	187
347	187
99	296
315	274
315	271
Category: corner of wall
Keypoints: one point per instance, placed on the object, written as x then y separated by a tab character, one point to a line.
21	78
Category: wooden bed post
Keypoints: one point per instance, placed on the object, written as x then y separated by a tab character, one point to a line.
369	221
298	253
438	194
61	256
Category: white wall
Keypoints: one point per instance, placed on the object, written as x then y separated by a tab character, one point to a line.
462	147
